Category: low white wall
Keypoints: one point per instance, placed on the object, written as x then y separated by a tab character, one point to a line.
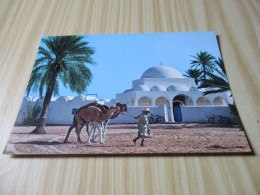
60	111
201	114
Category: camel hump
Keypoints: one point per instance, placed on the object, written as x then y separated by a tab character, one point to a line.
86	106
103	108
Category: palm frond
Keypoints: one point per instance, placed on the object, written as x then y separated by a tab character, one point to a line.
66	55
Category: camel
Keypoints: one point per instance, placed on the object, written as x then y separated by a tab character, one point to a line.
91	114
123	108
104	109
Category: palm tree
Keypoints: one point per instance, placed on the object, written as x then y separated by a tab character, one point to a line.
203	61
217	81
60	58
195	74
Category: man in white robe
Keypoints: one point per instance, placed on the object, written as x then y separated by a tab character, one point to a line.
143	129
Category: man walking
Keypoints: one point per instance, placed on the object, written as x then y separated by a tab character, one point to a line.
143	129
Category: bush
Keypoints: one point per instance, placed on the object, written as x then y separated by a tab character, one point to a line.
32	118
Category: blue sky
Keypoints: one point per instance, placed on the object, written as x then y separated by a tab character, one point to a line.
122	58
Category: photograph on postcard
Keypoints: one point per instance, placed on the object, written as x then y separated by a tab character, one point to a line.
128	94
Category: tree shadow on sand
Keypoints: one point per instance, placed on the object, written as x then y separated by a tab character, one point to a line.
40	143
104	146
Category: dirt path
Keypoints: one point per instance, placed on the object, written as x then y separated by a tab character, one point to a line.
192	138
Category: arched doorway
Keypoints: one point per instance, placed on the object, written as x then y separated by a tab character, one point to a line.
177	111
177	101
184	100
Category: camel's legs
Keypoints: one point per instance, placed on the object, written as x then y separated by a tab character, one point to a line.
78	130
87	128
93	135
82	125
104	128
90	134
97	134
67	137
99	126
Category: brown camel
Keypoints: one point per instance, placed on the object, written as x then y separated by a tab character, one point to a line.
123	108
91	114
104	109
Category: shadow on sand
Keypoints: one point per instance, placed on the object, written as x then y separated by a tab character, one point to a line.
40	143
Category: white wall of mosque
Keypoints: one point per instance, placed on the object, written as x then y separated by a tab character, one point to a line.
188	113
202	113
61	109
152	98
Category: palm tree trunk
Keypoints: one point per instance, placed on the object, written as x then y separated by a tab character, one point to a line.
40	128
204	71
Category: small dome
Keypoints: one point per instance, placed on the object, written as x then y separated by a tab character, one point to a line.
62	98
171	88
178	87
78	98
158	88
162	72
141	88
128	90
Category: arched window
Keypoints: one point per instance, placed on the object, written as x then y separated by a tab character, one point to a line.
144	101
219	101
161	101
186	100
202	101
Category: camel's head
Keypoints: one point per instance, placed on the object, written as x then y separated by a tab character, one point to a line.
116	108
123	107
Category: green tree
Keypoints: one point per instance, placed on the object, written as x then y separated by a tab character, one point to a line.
195	74
60	58
203	61
219	82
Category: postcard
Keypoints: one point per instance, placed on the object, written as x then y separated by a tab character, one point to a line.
128	94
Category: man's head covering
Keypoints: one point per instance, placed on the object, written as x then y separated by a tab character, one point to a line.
146	110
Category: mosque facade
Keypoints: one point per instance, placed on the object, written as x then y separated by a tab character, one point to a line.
164	86
163	89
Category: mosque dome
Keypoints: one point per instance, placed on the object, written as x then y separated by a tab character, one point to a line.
158	88
141	88
162	72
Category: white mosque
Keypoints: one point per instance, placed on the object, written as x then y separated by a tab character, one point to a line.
162	89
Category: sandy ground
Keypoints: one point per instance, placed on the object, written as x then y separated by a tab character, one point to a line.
191	138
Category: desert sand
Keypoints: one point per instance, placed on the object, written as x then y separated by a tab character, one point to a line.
190	138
